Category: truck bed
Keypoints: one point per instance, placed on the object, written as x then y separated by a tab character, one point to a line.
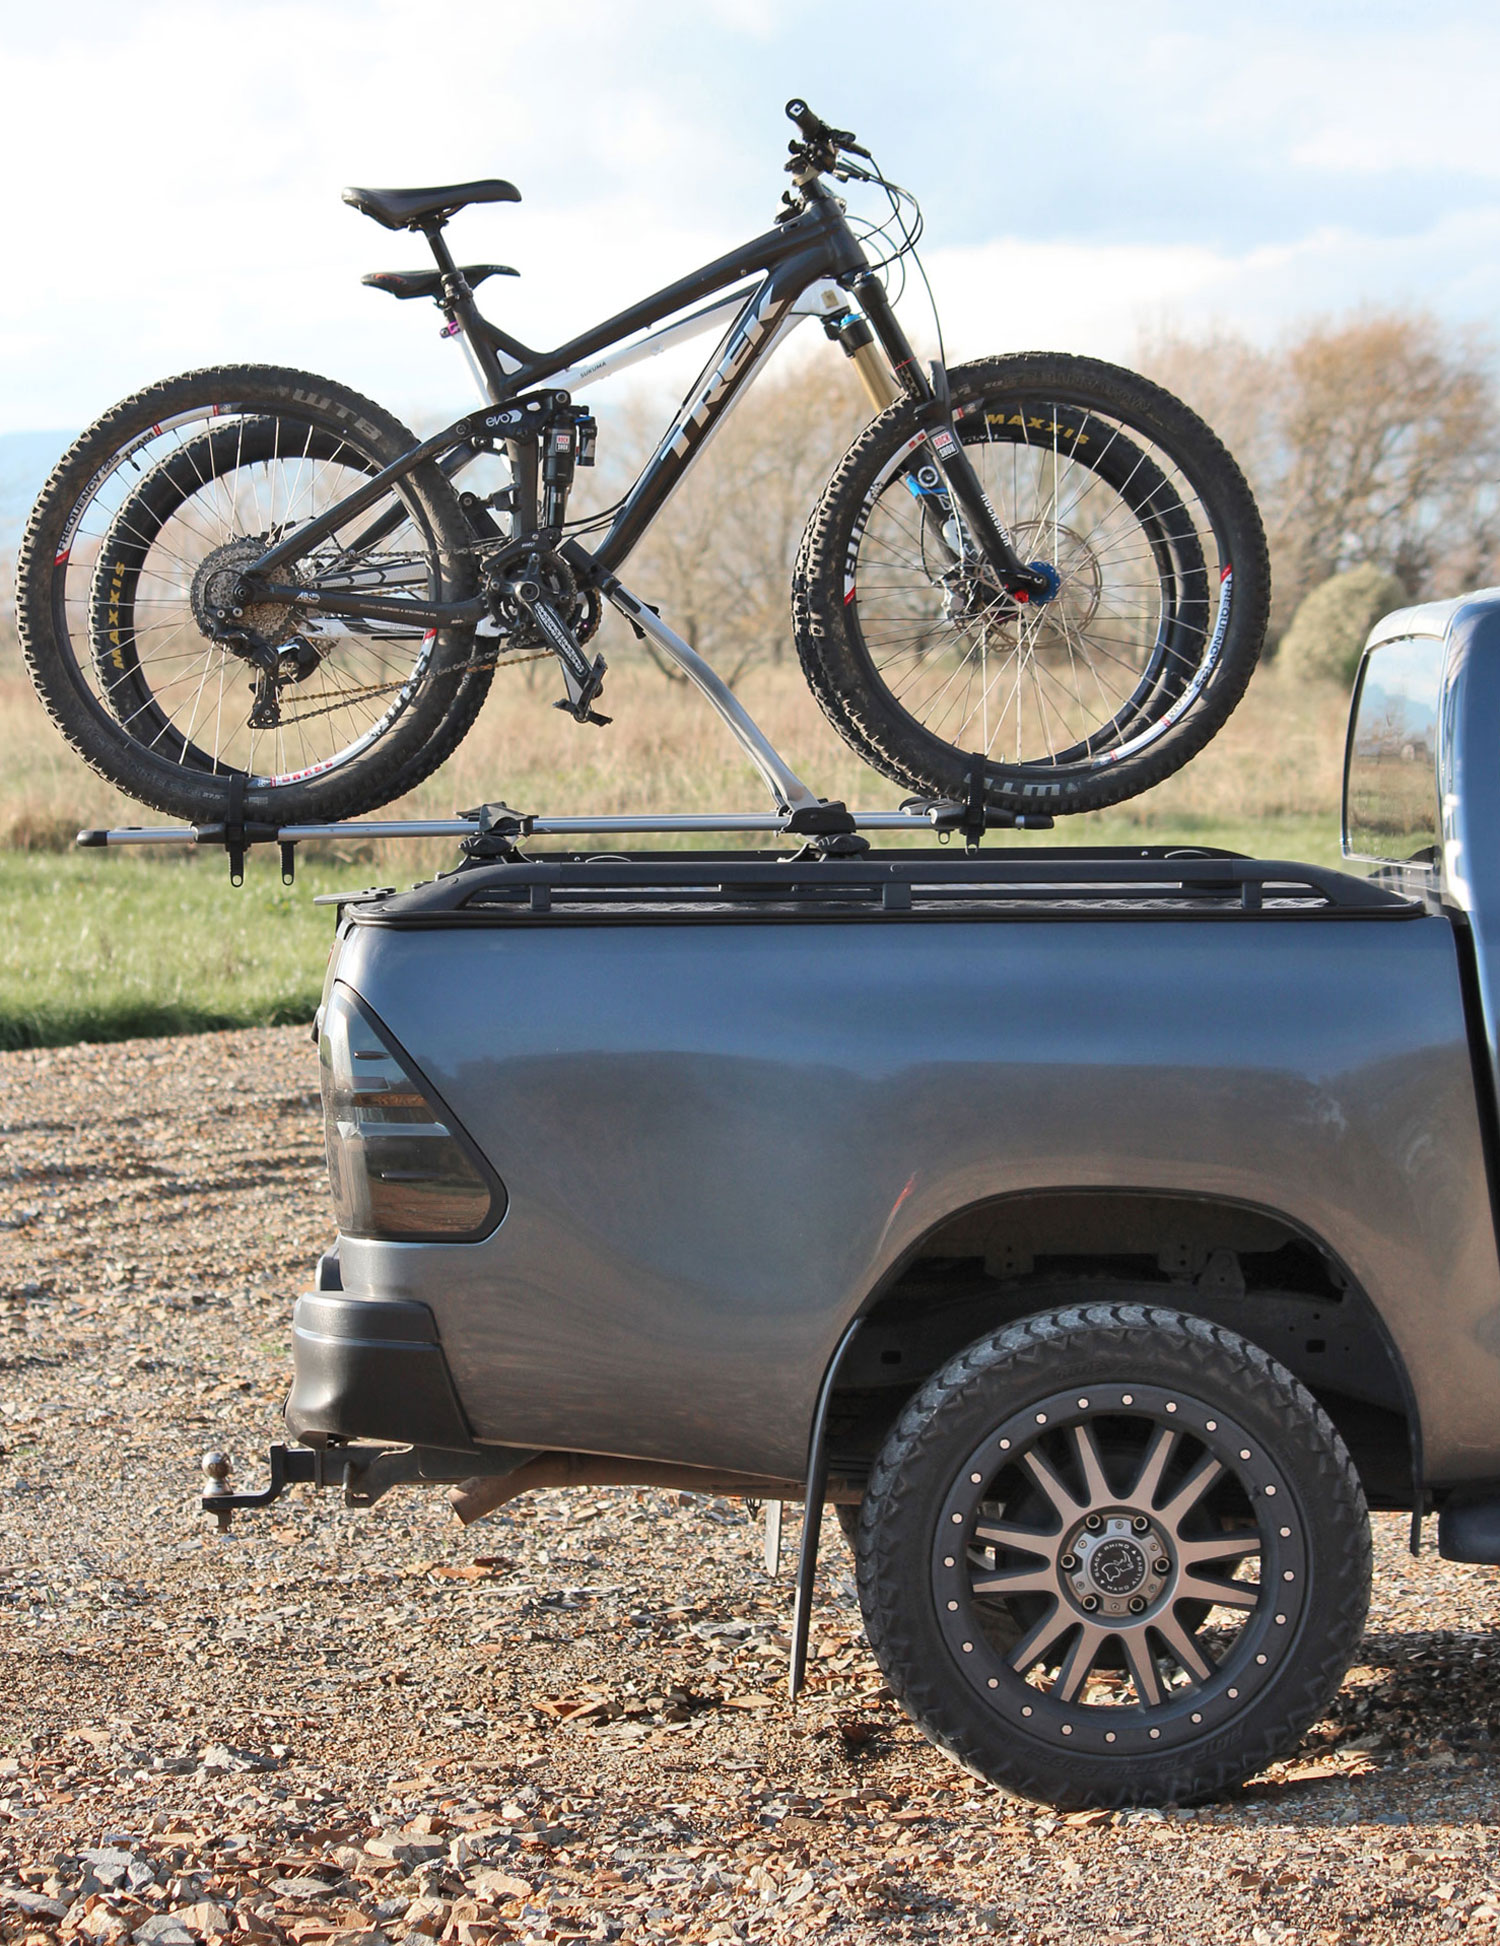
729	1097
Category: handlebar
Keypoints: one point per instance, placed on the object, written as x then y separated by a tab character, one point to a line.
823	144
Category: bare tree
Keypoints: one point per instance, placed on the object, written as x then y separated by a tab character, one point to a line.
1371	440
1235	385
1391	431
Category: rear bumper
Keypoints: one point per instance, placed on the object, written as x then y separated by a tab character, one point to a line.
372	1369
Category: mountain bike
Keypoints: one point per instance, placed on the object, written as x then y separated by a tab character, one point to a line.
1039	580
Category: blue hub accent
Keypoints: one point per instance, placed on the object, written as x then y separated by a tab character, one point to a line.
1054	580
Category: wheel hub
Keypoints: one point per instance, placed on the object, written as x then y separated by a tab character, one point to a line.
973	596
1116	1565
212	596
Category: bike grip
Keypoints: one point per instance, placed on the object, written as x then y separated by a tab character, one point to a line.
810	125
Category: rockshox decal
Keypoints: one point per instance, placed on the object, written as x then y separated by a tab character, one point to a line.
861	521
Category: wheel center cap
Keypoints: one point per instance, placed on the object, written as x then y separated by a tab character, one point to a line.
1117	1567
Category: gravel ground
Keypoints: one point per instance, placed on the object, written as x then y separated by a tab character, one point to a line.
567	1722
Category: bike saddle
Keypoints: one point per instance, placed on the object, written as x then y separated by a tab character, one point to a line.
409	209
428	283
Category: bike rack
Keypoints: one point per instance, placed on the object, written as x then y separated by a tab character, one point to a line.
493	830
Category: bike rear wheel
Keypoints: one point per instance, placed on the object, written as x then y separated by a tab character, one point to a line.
1160	587
130	555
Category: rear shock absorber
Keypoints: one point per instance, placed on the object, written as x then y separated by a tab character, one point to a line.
568	442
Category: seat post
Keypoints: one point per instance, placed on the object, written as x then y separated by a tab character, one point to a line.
436	241
458	302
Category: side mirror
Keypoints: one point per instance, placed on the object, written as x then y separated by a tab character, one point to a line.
1391	811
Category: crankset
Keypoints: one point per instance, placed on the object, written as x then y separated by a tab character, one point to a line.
533	599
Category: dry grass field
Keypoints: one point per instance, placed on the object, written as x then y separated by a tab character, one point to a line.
95	947
1272	774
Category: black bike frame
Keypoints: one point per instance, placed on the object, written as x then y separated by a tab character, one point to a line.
814	246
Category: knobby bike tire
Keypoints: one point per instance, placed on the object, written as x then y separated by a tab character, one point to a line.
1168	670
79	619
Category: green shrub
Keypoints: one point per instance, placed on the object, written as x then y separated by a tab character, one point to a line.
1328	631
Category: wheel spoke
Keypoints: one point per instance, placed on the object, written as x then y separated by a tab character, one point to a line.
1018	1581
1223	1594
1142	1666
1182	1646
1096	1486
1050	1630
1067	1507
1147	1482
1025	1540
1080	1659
1225	1547
1191	1491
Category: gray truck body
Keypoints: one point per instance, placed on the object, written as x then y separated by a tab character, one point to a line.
732	1126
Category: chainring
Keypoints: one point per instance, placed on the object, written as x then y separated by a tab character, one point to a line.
580	608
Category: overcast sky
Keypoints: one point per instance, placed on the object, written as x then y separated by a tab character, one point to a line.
1086	169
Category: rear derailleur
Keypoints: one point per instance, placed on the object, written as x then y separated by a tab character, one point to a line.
293	661
276	664
533	601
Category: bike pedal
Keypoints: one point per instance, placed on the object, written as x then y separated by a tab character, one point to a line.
582	715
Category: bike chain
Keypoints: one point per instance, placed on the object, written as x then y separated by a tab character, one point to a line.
496	661
390	688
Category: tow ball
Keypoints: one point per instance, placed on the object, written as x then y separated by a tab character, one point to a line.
289	1465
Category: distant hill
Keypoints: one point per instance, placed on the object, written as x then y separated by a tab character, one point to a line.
26	458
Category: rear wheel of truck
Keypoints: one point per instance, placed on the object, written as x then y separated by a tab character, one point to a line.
1114	1555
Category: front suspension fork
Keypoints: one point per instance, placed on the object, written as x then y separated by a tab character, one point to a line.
934	414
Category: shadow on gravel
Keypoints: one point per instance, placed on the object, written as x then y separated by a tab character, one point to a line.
1411	1740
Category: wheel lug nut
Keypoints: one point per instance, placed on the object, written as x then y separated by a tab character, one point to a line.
1137	1605
1093	1523
1161	1567
1140	1523
1068	1563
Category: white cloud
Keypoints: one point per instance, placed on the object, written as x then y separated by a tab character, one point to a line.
1014	294
188	163
183	160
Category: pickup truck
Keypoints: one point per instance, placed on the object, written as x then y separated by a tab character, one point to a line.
1102	1232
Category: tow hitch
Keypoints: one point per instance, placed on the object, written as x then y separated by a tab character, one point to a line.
365	1473
289	1464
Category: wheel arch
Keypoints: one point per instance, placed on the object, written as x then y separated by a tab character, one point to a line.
1241	1264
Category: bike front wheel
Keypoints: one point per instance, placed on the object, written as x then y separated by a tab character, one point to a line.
1159	588
130	558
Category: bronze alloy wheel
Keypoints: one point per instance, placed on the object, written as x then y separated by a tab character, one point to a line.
1120	1566
1114	1554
